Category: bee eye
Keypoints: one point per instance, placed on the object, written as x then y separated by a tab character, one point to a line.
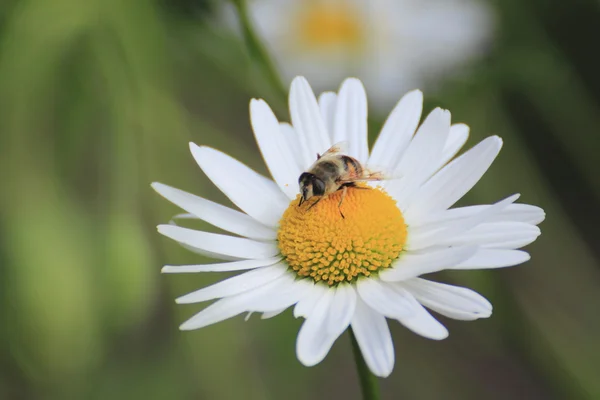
304	178
318	187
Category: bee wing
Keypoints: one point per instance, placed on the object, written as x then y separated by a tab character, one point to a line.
338	148
380	174
373	174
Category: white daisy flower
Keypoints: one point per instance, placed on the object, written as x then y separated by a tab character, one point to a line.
391	45
362	268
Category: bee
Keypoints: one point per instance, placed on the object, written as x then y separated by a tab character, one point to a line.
333	171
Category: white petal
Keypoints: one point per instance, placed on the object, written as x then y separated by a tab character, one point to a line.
493	258
351	119
307	120
420	321
274	147
457	136
221	267
374	339
455	179
216	214
427	144
235	285
341	310
459	133
210	254
203	252
419	161
515	212
496	235
397	131
258	196
220	244
452	301
325	324
310	344
293	142
432	234
308	303
383	298
288	292
521	213
219	311
272	314
231	306
412	264
185	216
327	102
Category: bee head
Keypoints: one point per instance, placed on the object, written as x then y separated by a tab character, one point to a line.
310	186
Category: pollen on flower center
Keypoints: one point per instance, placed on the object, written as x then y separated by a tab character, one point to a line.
319	243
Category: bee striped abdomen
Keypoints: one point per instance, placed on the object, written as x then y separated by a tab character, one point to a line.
352	166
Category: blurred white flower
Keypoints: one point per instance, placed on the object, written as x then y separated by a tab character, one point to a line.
358	269
391	45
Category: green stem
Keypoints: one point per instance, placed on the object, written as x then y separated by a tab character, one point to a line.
258	51
369	383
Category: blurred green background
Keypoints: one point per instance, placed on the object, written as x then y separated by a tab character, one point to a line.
99	98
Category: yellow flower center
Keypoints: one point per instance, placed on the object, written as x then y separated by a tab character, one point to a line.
318	243
323	24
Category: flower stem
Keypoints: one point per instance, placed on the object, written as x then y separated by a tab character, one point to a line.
368	382
258	51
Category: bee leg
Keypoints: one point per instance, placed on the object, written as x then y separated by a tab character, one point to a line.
314	204
344	191
301	201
